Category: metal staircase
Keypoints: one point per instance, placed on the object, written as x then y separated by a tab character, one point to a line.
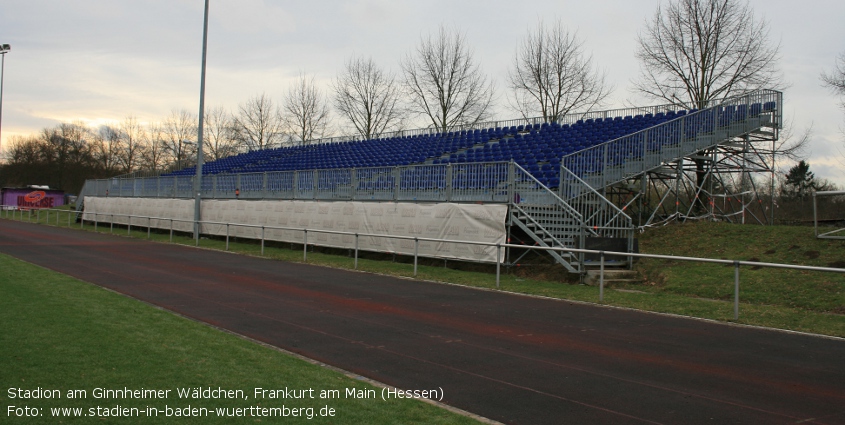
580	210
546	218
630	156
586	174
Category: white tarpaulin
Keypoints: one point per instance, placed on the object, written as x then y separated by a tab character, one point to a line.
464	222
117	210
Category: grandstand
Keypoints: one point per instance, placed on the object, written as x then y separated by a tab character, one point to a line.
564	183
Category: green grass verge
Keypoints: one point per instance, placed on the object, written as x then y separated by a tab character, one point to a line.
785	299
63	334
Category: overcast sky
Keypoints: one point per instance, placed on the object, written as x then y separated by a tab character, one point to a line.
101	61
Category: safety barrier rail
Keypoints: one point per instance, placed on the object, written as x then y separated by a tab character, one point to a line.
499	246
466	182
833	233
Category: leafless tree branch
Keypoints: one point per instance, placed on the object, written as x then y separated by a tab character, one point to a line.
219	134
305	111
836	79
132	136
258	124
551	76
696	51
368	98
180	126
444	84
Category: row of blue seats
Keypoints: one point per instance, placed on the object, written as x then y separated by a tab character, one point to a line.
394	151
538	148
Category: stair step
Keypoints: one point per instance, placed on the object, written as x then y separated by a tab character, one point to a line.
612	276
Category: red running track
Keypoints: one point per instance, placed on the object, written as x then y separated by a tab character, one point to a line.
511	358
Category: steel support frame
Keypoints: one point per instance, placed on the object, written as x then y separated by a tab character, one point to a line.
734	189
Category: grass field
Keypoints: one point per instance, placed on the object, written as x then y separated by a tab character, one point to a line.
63	334
786	299
806	290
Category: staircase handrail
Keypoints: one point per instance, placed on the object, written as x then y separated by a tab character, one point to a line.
613	206
568	208
762	93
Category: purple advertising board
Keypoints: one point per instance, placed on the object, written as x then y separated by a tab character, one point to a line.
31	198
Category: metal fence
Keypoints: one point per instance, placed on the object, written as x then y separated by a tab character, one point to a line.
141	220
467	182
833	233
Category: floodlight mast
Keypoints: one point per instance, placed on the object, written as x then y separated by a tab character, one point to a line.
4	48
198	179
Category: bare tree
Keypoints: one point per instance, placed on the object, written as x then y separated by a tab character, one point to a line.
63	156
836	81
66	153
444	84
551	75
132	135
180	127
368	98
305	111
23	150
258	124
106	147
67	144
220	137
697	51
790	147
154	155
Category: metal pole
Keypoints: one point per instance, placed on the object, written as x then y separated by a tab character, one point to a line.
815	216
601	276
356	251
498	264
736	290
171	230
262	240
3	49
198	180
227	236
149	224
416	249
305	245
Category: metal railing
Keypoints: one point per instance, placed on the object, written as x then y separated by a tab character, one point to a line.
635	153
464	182
598	212
6	211
833	233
